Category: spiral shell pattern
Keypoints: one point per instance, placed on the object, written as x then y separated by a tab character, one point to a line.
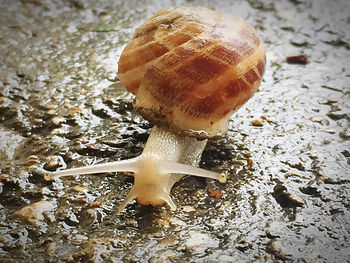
191	68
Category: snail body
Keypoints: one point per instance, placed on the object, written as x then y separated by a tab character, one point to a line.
190	68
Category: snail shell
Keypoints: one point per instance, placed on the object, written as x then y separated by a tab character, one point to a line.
191	68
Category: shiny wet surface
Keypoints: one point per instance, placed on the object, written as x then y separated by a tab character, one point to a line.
287	152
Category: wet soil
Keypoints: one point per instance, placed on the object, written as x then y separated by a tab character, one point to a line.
286	154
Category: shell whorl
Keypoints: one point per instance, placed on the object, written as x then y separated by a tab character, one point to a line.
191	68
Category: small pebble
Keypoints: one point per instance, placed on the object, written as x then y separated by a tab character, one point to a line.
241	162
52	162
257	122
268	118
75	110
337	115
299	59
216	223
330	131
318	119
3	177
32	160
103	16
188	209
331	101
81	237
177	222
96	204
216	194
51	106
162	222
38	121
129	222
80	189
34	213
57	120
168	241
51	112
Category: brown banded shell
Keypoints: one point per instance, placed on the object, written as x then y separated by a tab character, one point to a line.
191	68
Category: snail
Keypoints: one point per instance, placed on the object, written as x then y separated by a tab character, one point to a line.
190	68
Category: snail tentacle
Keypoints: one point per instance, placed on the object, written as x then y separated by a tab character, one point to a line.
179	168
128	165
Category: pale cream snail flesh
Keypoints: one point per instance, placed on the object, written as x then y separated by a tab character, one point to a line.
190	69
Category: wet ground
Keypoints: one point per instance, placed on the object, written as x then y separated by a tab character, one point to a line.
286	154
